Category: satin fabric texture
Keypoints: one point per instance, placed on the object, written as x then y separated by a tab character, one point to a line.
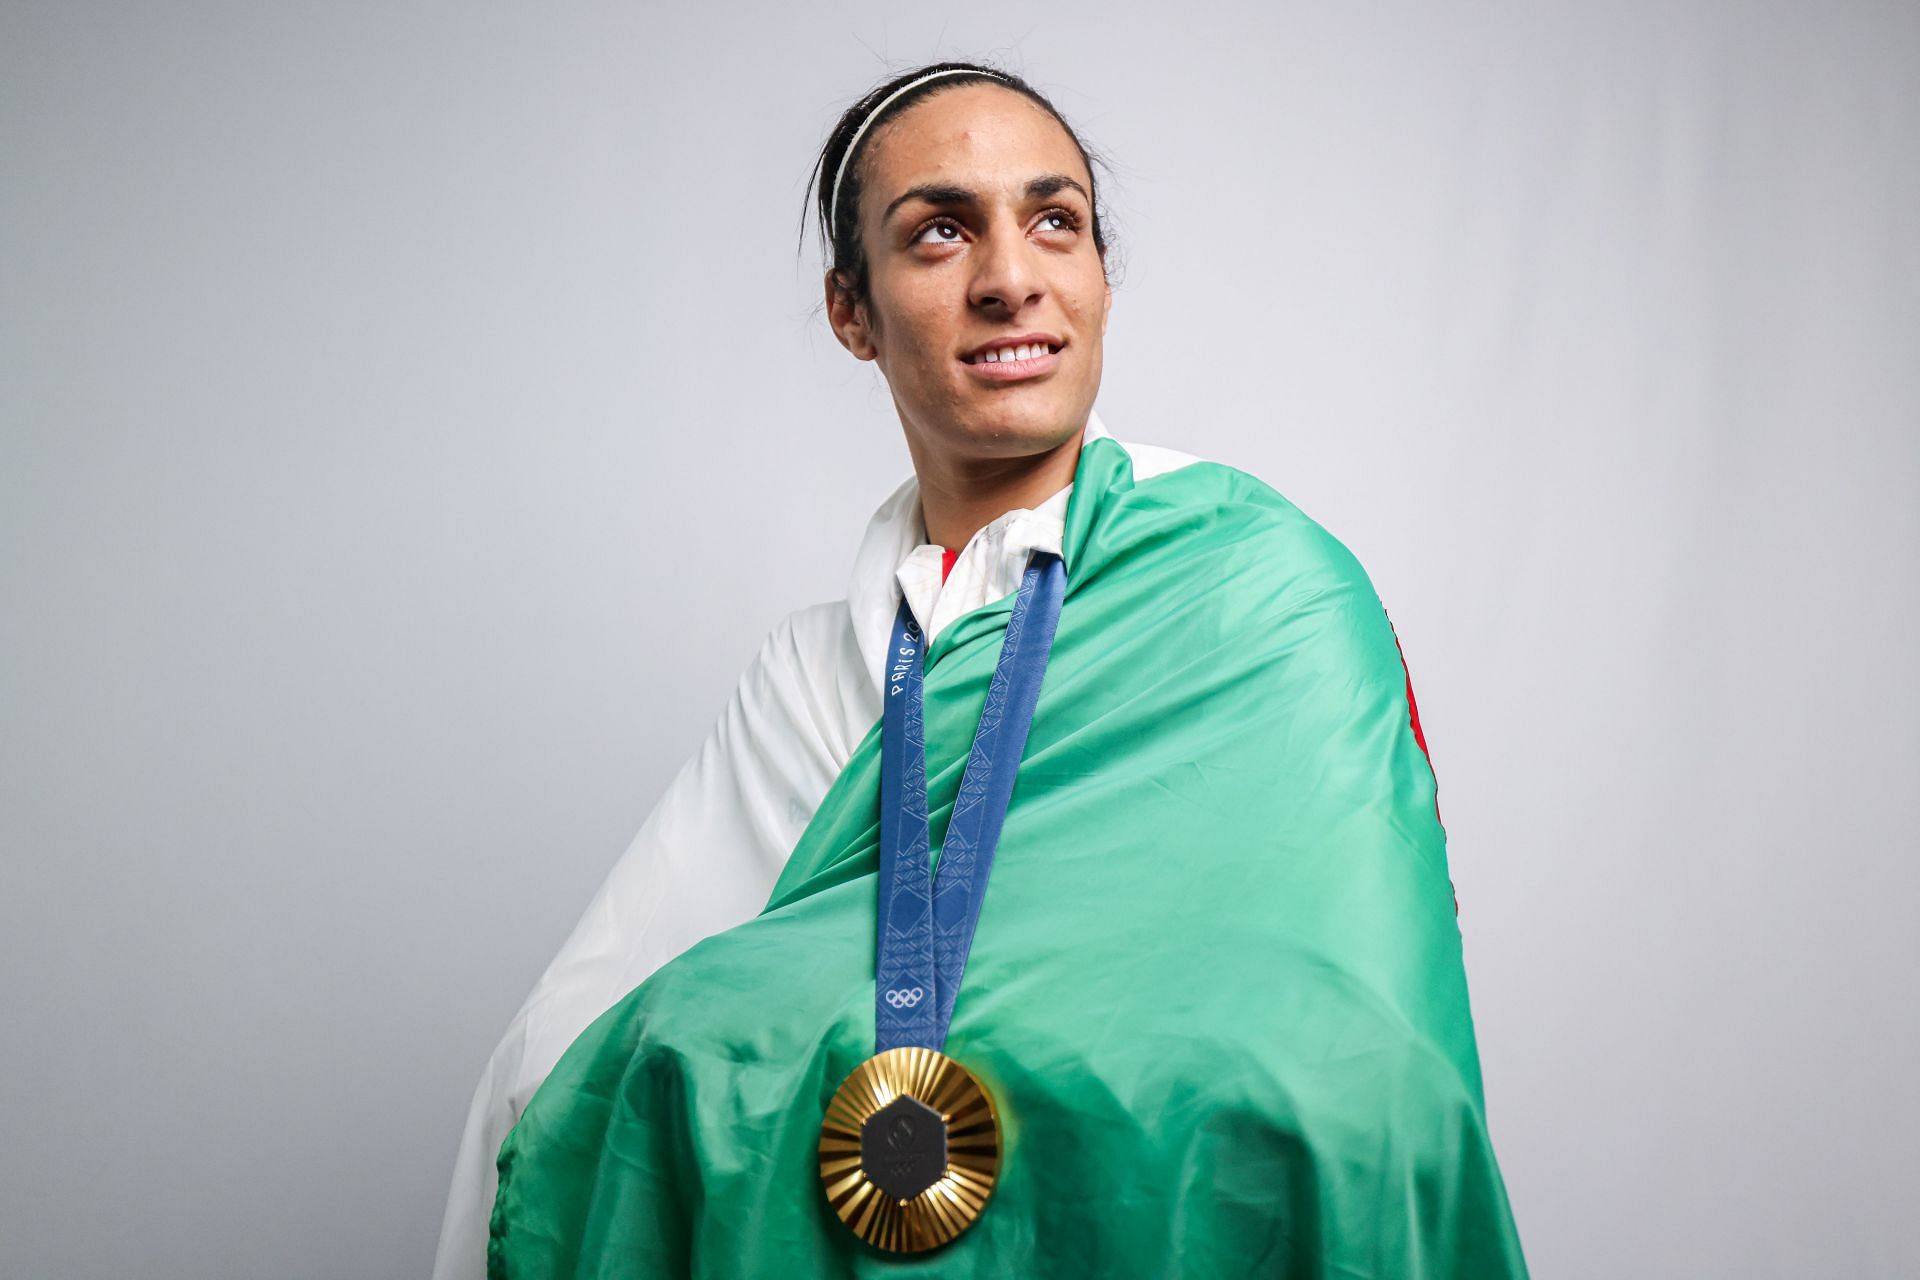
1217	986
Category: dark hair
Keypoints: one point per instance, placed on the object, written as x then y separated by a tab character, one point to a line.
841	244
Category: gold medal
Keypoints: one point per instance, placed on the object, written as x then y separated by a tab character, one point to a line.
910	1150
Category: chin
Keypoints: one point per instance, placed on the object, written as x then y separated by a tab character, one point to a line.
1021	423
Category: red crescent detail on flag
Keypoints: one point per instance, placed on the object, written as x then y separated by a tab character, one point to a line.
1413	717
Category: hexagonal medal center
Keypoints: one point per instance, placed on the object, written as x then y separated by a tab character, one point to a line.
903	1147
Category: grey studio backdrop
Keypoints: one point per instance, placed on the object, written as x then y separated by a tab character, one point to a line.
415	416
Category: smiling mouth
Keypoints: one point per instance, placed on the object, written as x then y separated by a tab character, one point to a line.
1015	354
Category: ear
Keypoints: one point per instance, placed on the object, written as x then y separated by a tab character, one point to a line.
1106	309
849	320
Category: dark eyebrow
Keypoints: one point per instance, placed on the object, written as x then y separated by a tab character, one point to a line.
1052	185
933	193
939	193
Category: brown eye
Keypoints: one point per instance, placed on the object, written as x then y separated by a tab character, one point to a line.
945	233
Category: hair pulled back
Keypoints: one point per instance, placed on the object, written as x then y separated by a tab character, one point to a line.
840	238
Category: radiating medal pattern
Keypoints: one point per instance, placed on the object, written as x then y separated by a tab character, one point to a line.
910	1150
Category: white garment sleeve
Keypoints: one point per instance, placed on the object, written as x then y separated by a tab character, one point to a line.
706	859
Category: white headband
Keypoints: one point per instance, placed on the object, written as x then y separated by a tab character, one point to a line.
833	201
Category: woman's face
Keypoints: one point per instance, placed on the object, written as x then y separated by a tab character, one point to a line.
978	232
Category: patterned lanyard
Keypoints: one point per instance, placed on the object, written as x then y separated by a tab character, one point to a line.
926	921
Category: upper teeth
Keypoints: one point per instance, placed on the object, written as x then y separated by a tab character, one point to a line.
1024	352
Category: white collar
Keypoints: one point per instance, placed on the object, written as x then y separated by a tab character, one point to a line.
988	567
895	531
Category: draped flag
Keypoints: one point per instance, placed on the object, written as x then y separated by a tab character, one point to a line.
1216	987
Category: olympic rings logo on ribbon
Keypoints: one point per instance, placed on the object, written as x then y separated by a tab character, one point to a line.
905	997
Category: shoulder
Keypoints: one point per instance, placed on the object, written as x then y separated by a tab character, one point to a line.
1223	512
1241	569
805	637
808	671
1151	460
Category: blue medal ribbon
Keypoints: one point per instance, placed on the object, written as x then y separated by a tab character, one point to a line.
926	921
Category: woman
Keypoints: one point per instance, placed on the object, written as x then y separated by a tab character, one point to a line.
1211	1019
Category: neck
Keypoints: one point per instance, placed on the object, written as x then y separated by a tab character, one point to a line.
959	495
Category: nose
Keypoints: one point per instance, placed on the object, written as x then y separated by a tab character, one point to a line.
1005	277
